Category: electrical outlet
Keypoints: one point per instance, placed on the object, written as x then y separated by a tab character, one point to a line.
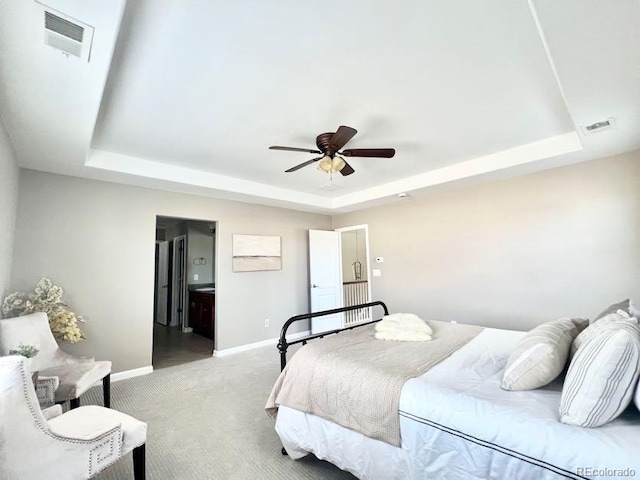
196	276
266	322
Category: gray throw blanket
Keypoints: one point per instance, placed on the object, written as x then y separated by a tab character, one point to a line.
355	380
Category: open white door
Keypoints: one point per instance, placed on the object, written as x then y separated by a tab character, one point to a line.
325	276
162	283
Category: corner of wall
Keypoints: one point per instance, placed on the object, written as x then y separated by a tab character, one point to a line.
9	182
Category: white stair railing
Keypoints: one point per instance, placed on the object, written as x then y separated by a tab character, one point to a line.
355	293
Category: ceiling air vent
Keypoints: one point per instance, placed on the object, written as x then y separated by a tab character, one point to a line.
67	34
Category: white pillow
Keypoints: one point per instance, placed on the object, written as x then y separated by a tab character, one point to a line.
541	354
595	328
602	376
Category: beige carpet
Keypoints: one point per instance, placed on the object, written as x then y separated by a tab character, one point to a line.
206	421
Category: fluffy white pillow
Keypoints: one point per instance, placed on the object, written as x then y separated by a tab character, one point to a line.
405	327
595	328
602	376
541	354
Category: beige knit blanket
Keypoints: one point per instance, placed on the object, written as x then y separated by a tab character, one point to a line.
355	380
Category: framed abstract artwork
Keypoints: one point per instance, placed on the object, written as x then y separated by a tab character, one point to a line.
254	253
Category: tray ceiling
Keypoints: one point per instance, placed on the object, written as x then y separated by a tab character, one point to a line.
189	99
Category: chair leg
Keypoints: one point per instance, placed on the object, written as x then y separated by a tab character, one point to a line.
106	390
139	462
74	403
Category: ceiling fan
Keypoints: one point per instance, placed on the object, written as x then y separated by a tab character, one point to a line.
329	145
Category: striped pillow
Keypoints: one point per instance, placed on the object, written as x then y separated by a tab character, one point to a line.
596	327
541	354
602	376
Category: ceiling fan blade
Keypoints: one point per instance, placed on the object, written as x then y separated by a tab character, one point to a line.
347	169
293	149
303	164
341	137
369	152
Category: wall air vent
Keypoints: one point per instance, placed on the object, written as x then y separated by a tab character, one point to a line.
598	126
66	34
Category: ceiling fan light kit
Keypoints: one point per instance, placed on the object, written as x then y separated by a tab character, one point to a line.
329	145
331	165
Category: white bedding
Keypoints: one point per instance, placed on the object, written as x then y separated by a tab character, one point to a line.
456	423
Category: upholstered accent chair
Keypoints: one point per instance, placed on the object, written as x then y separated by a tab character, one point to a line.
75	374
66	446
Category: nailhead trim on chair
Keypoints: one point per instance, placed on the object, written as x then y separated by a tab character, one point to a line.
114	435
45	391
100	461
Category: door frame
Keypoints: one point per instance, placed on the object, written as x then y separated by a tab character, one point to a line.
364	227
157	282
183	322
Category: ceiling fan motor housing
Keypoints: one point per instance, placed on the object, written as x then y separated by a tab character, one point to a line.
323	141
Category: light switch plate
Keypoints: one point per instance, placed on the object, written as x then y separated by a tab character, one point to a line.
376	272
196	276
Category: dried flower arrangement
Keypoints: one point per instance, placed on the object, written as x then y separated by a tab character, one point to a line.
47	298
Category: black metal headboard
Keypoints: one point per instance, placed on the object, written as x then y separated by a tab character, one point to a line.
283	345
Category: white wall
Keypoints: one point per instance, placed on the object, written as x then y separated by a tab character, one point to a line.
9	177
97	241
512	253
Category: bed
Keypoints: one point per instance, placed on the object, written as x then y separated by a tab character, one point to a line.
457	423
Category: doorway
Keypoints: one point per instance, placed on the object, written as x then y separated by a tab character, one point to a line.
185	290
339	275
356	285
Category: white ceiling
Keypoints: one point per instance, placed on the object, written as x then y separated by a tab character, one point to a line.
188	96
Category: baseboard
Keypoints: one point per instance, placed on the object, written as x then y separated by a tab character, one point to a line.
136	372
251	346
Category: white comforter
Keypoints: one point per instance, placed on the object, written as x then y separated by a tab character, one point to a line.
456	423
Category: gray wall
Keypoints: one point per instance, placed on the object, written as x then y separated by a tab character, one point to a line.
512	253
180	228
97	241
200	245
9	177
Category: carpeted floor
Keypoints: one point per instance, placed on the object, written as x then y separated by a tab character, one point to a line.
206	420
